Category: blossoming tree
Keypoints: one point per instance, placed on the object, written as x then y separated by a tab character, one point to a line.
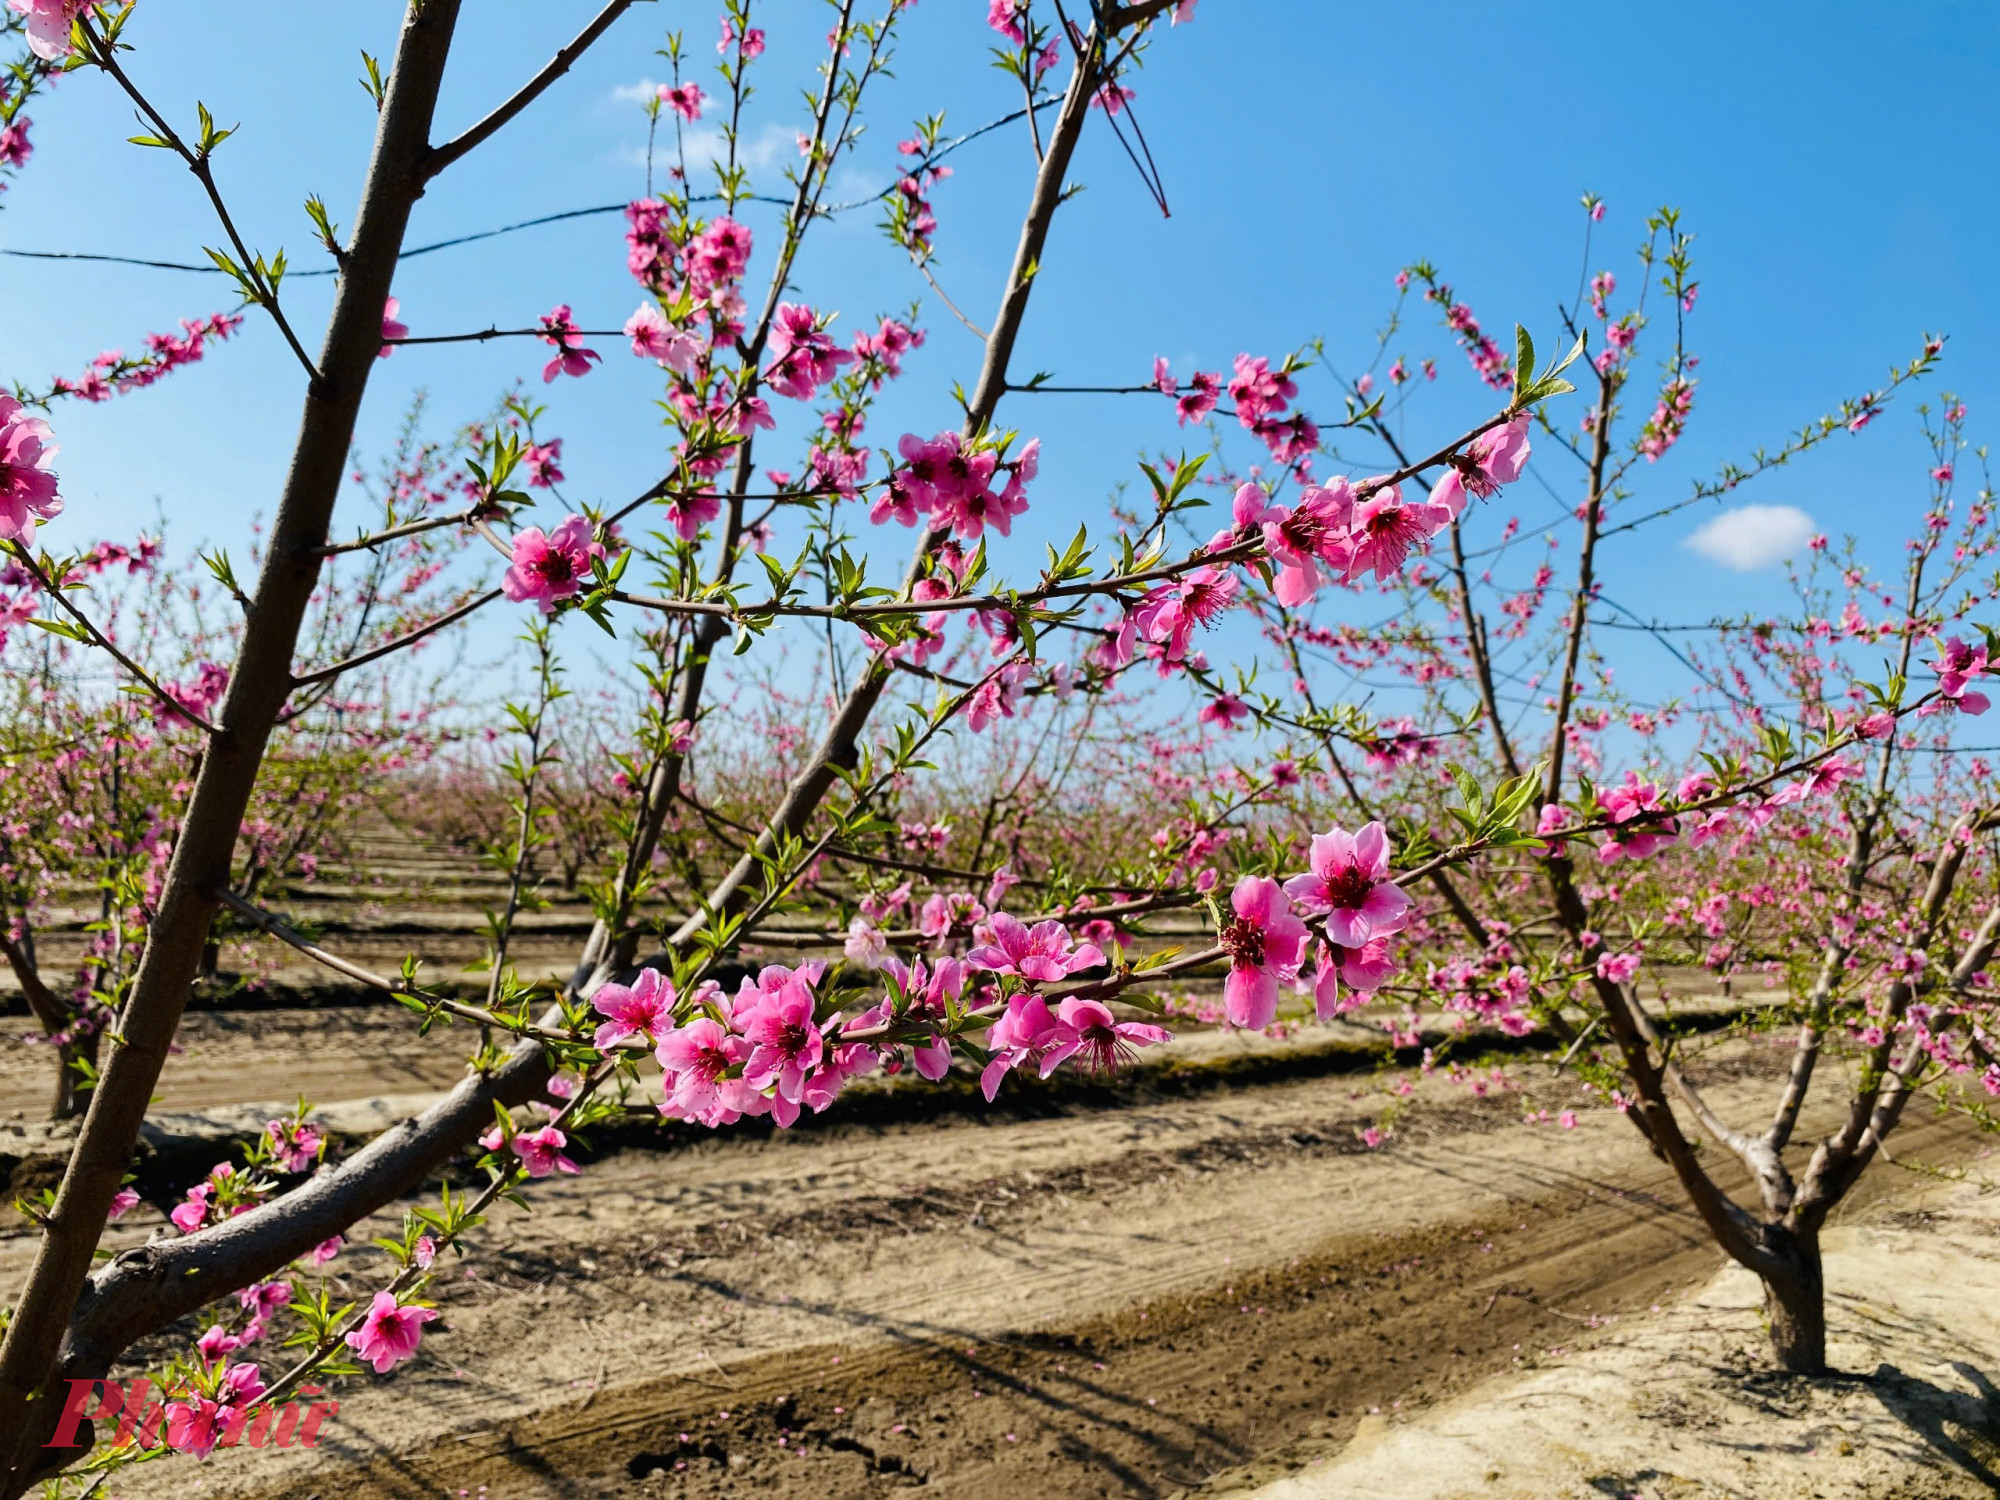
1520	892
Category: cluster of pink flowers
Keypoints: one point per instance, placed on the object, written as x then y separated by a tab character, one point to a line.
751	42
1669	419
543	461
667	259
653	337
199	694
887	345
27	483
804	356
765	1052
1347	889
223	1194
1487	360
1645	819
1197	401
113	373
15	147
915	221
1260	394
951	485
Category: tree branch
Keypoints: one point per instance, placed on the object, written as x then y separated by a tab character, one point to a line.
437	158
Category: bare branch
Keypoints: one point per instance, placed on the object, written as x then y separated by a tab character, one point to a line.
439	157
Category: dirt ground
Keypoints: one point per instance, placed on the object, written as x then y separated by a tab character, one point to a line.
1681	1405
1169	1295
1204	1283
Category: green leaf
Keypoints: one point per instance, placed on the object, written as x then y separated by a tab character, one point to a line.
1524	358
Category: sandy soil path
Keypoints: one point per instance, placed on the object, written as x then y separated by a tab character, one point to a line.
1125	1301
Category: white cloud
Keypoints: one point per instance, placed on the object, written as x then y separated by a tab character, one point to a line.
636	93
1753	536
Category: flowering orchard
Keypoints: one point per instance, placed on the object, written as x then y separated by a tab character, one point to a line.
1524	849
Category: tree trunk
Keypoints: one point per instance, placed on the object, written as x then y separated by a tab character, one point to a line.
1795	1303
72	1096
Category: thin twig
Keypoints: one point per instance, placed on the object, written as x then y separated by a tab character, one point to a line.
178	709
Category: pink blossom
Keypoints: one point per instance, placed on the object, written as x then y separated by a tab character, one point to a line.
1957	664
1088	1029
1630	844
389	1334
1170	613
1362	969
1494	458
15	147
776	1016
27	484
541	1152
550	567
1551	822
294	1144
944	912
1821	781
1349	881
198	695
264	1298
1310	537
1004	17
1618	967
644	1009
867	946
571	358
653	337
123	1202
804	355
1631	800
997	696
1199	399
391	329
1225	710
1041	954
1163	382
1384	530
685	99
195	1426
49	25
1265	944
1258	391
543	461
326	1250
753	40
1022	1034
703	1083
193	1212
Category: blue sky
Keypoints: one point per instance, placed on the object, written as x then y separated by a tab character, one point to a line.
1826	155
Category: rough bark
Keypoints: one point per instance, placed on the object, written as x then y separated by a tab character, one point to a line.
259	686
1795	1303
